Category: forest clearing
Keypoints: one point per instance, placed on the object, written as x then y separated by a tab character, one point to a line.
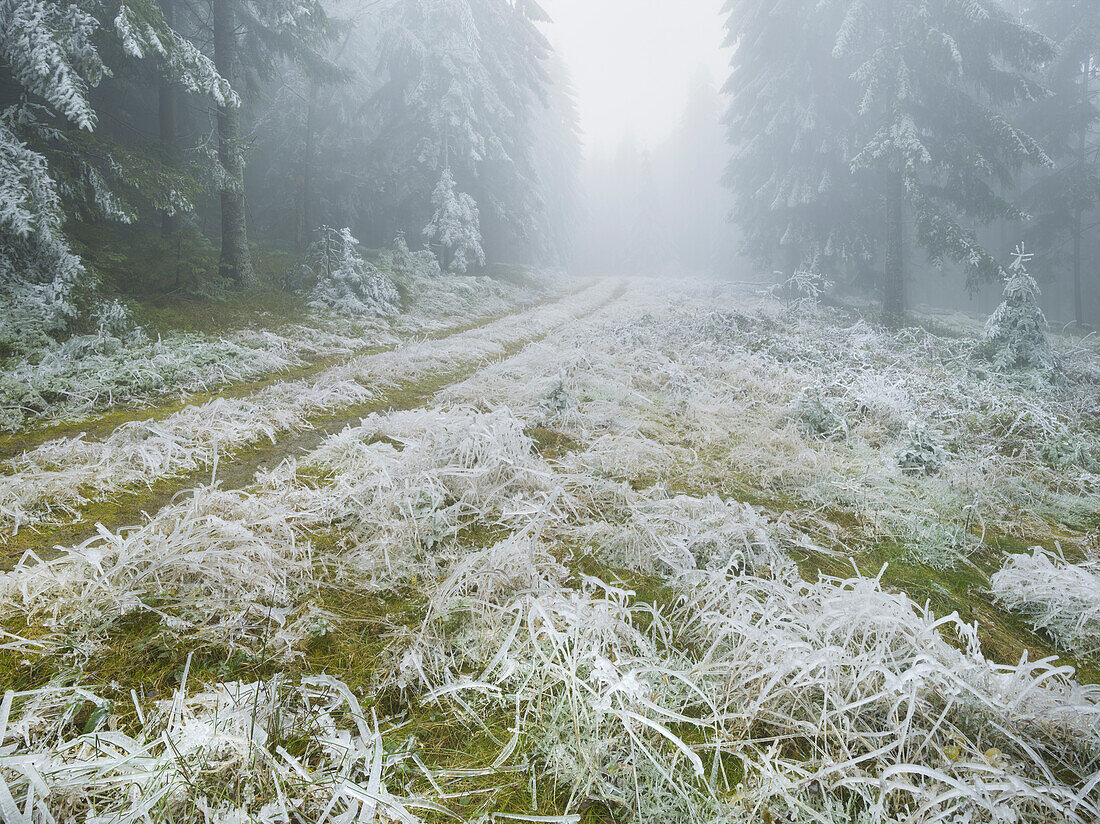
549	411
697	545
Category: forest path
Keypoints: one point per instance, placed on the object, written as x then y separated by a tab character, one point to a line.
67	490
102	424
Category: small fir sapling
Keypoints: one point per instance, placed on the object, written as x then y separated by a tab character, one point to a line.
921	452
407	266
455	228
343	280
1015	337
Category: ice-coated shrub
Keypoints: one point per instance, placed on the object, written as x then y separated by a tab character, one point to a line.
921	451
343	281
37	277
555	401
802	291
1015	334
819	416
408	266
1064	450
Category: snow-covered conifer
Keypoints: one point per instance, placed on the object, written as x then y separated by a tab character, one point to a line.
455	227
935	79
796	201
1015	334
343	281
52	54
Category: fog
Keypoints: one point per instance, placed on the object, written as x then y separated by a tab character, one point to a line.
633	62
550	411
768	140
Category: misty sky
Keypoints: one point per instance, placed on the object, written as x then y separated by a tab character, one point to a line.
633	60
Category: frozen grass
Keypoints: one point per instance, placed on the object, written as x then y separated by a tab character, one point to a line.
234	752
63	474
740	692
906	433
92	373
1060	598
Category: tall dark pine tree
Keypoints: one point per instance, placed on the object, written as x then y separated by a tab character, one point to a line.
168	111
935	77
791	122
252	41
236	259
1064	201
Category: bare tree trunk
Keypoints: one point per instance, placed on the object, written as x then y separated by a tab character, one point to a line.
236	260
893	292
306	219
169	112
1078	211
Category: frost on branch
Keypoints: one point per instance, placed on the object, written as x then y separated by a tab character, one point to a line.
144	33
455	227
50	51
1014	335
37	270
343	281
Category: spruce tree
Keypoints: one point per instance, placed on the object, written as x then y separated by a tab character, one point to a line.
236	260
791	124
935	78
52	56
1064	201
455	227
461	79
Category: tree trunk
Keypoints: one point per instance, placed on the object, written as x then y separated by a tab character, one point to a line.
236	260
306	219
169	112
893	292
1078	211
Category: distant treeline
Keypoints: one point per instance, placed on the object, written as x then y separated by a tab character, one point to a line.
237	121
864	131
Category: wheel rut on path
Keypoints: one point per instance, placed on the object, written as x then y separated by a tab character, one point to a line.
238	469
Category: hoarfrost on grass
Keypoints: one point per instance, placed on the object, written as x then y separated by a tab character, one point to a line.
1059	598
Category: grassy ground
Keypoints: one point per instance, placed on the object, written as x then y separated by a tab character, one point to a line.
562	479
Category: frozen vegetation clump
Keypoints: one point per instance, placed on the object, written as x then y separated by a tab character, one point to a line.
1060	598
819	416
802	292
38	275
1015	335
343	281
921	452
228	753
120	364
555	401
408	267
224	567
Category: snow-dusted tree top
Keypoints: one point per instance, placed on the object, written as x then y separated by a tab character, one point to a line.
456	226
827	96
